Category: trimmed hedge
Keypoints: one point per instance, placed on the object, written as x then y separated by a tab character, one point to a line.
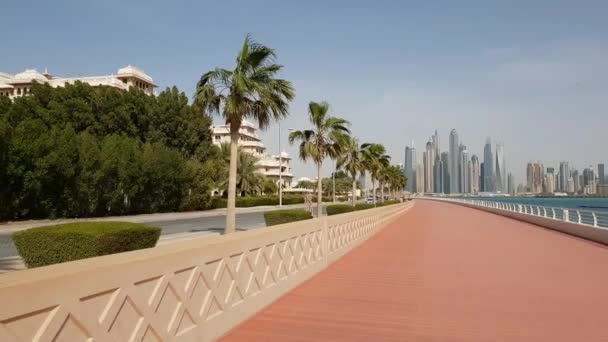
363	206
256	201
339	209
385	203
73	241
284	216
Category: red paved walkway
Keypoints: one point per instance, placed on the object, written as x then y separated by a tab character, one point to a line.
443	272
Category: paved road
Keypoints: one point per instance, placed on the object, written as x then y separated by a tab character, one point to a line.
442	272
213	223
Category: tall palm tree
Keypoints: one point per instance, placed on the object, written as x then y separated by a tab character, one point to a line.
374	160
326	139
249	91
351	161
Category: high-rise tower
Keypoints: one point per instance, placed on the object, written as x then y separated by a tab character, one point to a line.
488	163
500	170
410	168
454	161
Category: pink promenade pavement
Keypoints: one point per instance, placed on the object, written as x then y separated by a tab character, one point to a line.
442	272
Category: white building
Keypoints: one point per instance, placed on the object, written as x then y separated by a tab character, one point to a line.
128	77
268	165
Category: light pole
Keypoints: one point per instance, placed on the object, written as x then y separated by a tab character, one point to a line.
334	182
280	170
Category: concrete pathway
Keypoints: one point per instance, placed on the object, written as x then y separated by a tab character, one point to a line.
443	272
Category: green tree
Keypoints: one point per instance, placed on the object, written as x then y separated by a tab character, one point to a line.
374	161
269	186
325	139
306	185
250	90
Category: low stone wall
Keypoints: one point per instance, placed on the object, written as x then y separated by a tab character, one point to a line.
584	231
194	290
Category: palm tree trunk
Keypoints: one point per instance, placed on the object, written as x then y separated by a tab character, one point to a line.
231	205
354	191
374	190
382	190
319	192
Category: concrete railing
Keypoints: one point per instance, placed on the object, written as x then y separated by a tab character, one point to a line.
195	290
591	225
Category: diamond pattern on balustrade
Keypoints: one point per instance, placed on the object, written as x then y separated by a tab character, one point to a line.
174	303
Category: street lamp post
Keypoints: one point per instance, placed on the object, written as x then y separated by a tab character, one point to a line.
280	170
334	182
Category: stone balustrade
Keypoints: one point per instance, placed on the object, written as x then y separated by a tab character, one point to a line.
194	290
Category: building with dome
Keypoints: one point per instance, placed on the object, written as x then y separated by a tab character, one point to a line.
250	142
20	84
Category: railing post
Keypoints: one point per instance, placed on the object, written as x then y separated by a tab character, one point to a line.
578	213
544	211
519	208
594	219
553	210
566	218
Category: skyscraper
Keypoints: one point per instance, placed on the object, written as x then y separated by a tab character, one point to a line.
429	160
410	168
588	177
419	178
535	177
463	170
438	175
488	162
601	178
576	183
564	174
511	184
454	161
500	170
482	184
475	174
446	173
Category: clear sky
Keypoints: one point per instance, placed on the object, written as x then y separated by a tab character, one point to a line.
530	74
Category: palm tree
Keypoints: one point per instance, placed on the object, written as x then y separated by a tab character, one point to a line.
394	180
325	139
250	91
249	180
351	160
374	160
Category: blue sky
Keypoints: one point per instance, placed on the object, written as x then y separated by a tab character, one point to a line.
531	74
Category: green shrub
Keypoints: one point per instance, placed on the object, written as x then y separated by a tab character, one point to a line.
284	216
363	206
256	201
73	241
385	203
339	209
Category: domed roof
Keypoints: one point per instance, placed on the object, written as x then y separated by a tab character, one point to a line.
284	155
131	70
31	74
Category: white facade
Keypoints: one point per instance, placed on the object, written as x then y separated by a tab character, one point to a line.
20	84
268	165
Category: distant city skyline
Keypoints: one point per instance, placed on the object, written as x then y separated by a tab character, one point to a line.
493	174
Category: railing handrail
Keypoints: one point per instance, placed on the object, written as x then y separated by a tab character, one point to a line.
596	219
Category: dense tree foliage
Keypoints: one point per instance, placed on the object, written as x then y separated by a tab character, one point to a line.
81	151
